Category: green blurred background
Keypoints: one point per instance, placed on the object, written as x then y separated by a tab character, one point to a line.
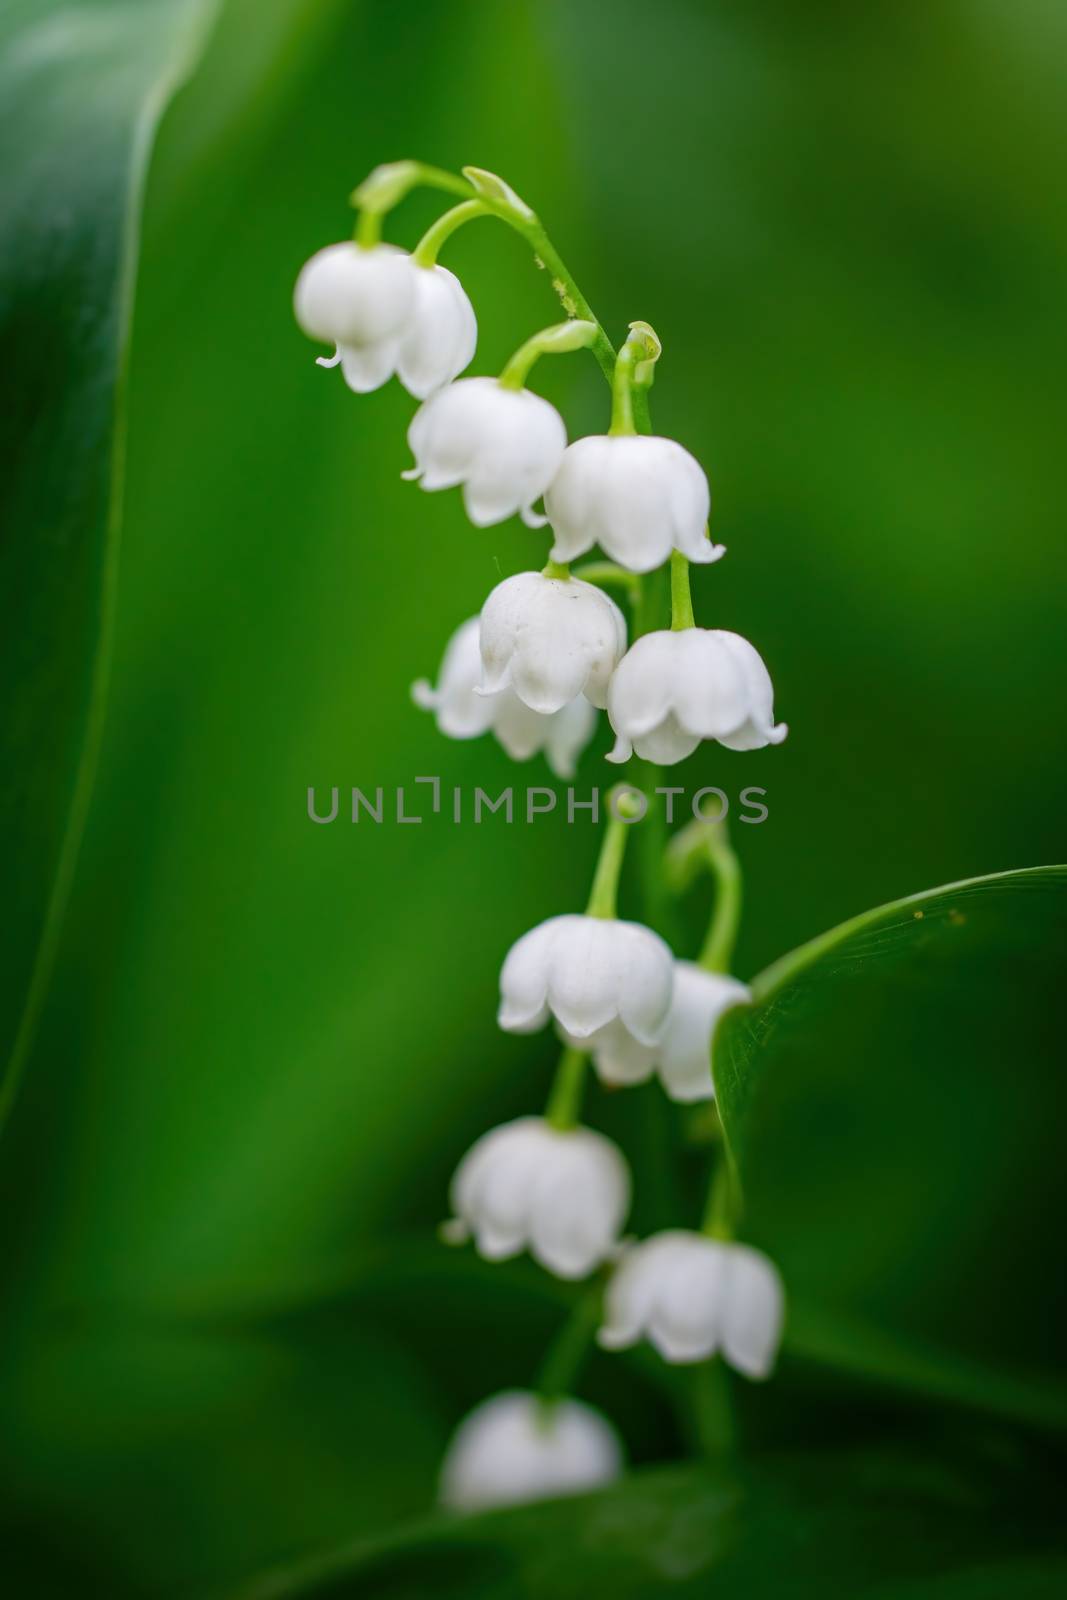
229	1335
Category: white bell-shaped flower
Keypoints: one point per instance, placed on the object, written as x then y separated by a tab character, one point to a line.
587	972
514	1448
503	445
636	497
550	639
693	1297
361	301
671	690
441	335
463	713
683	1055
562	1195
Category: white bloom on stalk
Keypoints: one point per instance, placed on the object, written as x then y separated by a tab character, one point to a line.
561	1194
587	972
636	497
463	713
386	314
693	1297
683	1055
550	640
514	1448
503	445
671	690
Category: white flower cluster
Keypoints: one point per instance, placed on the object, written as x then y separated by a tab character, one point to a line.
548	651
550	645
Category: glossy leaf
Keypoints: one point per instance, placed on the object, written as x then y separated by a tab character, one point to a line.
82	89
892	1520
891	1101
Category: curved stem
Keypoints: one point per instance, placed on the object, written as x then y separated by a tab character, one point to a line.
717	952
622	402
429	246
720	1212
565	1097
556	569
560	339
568	1350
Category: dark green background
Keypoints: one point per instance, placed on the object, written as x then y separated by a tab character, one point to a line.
228	1334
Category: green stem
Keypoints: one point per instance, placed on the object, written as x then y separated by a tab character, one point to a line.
560	339
606	572
429	246
565	1097
368	229
556	569
717	952
720	1212
622	403
713	1411
681	598
604	894
568	1350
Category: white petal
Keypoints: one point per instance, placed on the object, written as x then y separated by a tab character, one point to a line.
753	1312
350	296
367	367
511	1449
684	1055
441	335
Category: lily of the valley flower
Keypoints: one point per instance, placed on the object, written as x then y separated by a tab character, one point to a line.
683	1056
693	1297
587	972
562	1195
636	497
385	314
463	713
514	1448
550	640
671	690
502	444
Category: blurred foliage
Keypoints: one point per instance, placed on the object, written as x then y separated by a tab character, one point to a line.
267	1043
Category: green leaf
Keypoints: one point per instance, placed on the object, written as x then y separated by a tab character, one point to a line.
892	1102
885	1519
83	89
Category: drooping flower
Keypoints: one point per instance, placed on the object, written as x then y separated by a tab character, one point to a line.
514	1448
462	713
636	497
502	444
550	640
361	301
385	314
671	690
691	1297
683	1055
562	1195
587	972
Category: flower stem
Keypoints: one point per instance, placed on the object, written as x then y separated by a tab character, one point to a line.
717	952
606	573
561	338
429	246
603	896
368	229
720	1212
556	569
622	401
568	1350
713	1410
681	598
565	1097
